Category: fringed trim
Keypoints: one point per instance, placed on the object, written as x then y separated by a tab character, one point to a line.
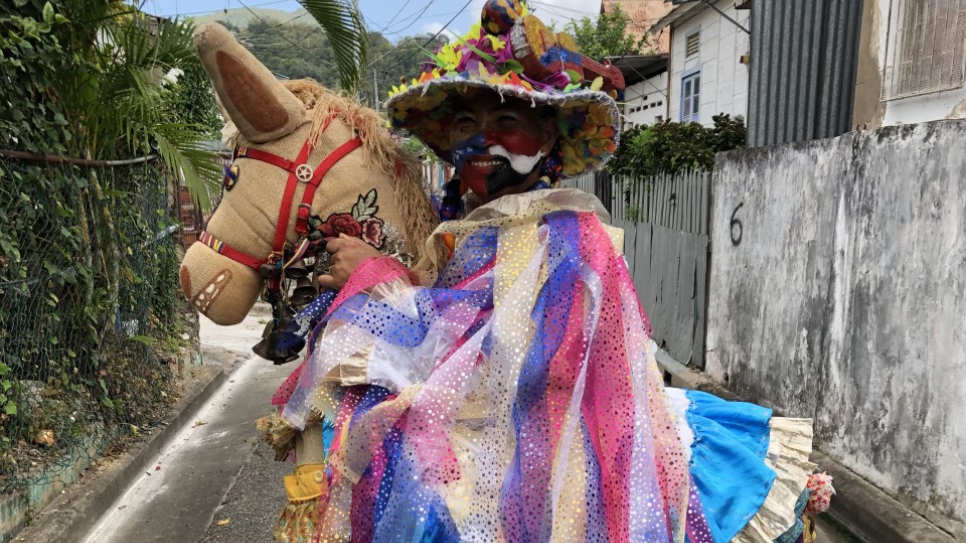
300	518
297	522
788	452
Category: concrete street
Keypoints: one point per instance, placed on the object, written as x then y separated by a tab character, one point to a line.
218	483
179	497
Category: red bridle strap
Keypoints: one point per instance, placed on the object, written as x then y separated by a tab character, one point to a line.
264	156
282	226
305	208
294	168
223	248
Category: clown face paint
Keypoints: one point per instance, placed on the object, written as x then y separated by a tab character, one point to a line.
492	161
519	163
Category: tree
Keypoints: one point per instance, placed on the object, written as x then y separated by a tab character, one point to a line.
113	90
314	57
605	37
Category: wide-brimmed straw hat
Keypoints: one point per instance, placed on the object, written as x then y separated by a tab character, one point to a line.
514	54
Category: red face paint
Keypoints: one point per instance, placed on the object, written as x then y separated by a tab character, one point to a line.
515	141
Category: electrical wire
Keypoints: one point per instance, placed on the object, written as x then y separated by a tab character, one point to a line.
588	14
283	36
420	14
431	38
416	18
549	5
383	29
178	14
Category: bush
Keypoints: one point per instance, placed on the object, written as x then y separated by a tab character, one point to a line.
672	147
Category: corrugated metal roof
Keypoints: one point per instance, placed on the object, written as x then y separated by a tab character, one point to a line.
637	68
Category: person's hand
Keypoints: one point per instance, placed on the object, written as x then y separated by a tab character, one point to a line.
347	254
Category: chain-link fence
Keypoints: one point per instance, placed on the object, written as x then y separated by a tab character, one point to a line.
90	323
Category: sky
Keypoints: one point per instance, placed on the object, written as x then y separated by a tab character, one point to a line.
395	18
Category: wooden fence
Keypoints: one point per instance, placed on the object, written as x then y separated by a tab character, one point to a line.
665	222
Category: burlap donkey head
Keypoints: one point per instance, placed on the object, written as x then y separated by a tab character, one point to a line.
372	192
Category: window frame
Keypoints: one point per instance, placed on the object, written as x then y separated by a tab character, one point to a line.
692	112
906	72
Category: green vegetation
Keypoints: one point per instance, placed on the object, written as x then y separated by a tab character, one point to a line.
605	37
671	147
271	41
88	270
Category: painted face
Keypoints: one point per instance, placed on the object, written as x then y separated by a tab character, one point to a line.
498	146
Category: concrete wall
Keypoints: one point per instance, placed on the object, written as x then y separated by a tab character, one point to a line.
646	101
872	112
838	291
724	79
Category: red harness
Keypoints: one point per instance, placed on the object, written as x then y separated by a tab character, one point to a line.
298	172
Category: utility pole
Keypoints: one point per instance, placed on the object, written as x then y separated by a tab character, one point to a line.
375	86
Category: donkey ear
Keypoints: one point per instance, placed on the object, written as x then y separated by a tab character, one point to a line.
261	108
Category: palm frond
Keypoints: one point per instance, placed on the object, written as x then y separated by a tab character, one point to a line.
343	24
182	149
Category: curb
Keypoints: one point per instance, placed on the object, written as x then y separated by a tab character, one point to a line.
873	515
864	510
72	514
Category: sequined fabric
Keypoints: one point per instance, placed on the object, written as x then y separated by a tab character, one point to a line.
515	399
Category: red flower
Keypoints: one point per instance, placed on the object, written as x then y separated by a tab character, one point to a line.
372	232
341	223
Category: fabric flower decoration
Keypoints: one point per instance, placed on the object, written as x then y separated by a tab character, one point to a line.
372	232
341	223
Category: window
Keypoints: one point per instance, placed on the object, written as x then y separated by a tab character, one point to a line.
925	47
691	98
694	45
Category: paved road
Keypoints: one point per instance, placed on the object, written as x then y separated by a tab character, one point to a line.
219	469
178	498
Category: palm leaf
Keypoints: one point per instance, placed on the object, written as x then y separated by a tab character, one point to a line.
343	24
183	151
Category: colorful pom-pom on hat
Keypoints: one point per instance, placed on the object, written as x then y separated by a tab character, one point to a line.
514	54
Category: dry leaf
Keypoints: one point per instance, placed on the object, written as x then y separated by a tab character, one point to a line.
200	423
45	437
224	522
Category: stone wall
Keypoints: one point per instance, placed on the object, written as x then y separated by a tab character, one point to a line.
838	292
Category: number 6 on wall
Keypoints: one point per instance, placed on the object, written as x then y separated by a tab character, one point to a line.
735	223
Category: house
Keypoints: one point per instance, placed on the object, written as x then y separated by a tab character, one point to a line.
707	69
642	15
645	98
910	62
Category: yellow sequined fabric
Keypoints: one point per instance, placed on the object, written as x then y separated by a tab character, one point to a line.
297	523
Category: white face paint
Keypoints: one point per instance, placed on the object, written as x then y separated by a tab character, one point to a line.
522	164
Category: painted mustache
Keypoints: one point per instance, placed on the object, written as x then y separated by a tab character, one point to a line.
489	169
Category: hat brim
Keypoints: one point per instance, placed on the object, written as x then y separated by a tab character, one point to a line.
589	120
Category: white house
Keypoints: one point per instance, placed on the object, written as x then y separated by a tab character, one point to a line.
911	62
645	98
708	70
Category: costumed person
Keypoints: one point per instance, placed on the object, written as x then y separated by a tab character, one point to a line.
507	391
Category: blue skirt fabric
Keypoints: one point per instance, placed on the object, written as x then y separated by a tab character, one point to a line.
728	460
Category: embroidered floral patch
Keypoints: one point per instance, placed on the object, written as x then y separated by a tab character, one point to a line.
361	222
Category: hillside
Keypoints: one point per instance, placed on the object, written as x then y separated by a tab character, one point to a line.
240	18
299	49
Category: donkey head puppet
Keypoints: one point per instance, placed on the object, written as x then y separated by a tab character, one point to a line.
308	165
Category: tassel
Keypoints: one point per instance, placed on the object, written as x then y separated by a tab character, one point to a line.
820	493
